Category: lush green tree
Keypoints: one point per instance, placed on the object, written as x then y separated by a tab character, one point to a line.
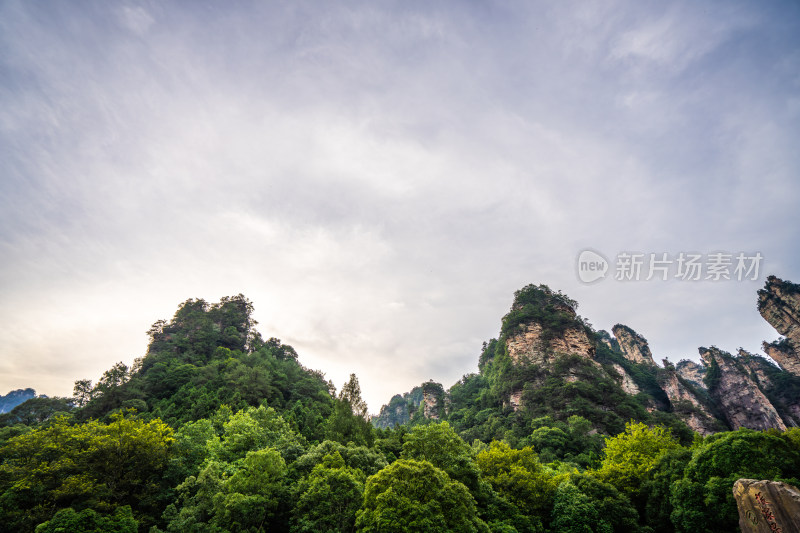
93	465
349	421
351	393
368	460
415	496
253	429
82	392
612	509
519	477
573	512
389	442
572	441
328	499
550	442
656	490
305	417
113	377
206	356
629	456
9	432
194	506
440	445
245	495
551	309
501	515
251	498
89	521
190	449
240	485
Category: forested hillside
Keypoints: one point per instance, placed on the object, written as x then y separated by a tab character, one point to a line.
217	429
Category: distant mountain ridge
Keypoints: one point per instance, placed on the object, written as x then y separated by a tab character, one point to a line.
14	398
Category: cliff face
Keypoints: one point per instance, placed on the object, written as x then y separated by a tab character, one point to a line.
692	372
532	345
395	413
784	354
546	328
433	400
537	346
779	304
757	366
515	400
781	387
429	400
626	381
739	398
686	405
633	346
541	324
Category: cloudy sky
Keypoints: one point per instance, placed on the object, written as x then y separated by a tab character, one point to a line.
380	177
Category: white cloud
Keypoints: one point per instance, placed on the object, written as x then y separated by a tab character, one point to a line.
136	18
681	35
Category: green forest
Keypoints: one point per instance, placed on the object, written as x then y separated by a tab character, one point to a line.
216	429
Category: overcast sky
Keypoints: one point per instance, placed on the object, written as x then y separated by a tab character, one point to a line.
380	177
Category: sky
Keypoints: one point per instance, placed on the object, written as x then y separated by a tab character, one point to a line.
378	178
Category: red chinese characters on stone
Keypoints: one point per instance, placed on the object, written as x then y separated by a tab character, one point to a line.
766	512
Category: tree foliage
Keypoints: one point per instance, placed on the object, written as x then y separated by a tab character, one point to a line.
415	496
94	465
518	476
442	447
329	497
630	456
90	521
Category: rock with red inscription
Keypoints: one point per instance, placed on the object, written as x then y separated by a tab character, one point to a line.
767	506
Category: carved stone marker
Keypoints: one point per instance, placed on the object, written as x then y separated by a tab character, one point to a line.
767	506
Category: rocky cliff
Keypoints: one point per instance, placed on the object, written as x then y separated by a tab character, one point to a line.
757	367
626	381
785	354
686	403
633	346
780	387
692	372
536	345
427	401
433	400
396	412
739	398
779	304
542	328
